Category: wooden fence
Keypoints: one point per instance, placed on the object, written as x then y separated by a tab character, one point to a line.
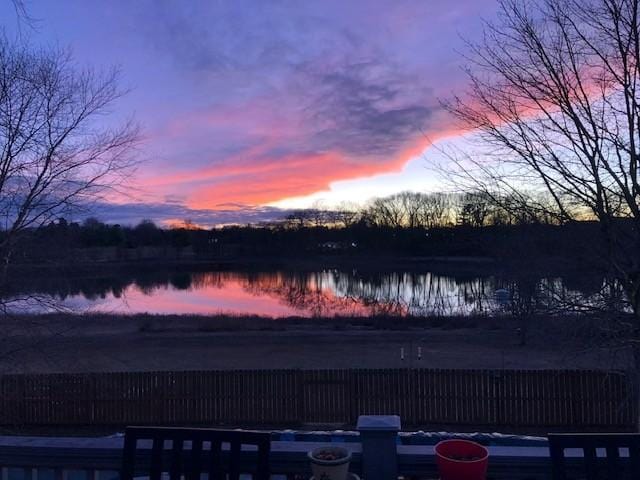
542	398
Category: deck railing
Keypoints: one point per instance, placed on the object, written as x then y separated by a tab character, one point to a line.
377	455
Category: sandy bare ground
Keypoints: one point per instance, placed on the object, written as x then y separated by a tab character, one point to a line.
90	346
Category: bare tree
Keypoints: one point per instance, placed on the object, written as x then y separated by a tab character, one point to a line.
59	150
554	100
474	209
411	210
436	210
387	212
298	219
346	215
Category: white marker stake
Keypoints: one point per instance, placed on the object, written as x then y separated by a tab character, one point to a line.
419	353
402	353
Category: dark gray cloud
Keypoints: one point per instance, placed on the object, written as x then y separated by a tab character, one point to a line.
367	109
133	213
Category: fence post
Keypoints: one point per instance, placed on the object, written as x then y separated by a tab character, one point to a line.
378	434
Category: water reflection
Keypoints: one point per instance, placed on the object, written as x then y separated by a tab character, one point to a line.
317	293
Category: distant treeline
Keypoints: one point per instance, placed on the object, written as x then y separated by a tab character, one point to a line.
408	224
434	210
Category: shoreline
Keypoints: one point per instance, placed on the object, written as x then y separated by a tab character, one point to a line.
232	322
363	263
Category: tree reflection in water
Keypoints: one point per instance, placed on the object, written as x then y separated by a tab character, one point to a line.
328	292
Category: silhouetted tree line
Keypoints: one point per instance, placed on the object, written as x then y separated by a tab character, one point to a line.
408	224
433	210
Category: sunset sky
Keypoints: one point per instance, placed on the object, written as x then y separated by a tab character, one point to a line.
249	108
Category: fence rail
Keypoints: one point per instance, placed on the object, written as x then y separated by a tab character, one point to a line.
577	399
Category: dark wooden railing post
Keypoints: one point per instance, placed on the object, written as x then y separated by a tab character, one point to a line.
379	434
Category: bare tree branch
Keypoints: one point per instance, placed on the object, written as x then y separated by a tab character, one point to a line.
59	148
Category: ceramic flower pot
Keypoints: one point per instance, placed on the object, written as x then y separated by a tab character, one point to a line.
330	463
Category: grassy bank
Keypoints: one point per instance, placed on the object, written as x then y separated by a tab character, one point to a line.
187	323
55	343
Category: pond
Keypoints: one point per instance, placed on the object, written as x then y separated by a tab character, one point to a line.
280	293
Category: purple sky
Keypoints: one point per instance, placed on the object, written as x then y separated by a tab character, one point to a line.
247	105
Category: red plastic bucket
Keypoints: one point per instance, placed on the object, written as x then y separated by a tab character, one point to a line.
461	460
